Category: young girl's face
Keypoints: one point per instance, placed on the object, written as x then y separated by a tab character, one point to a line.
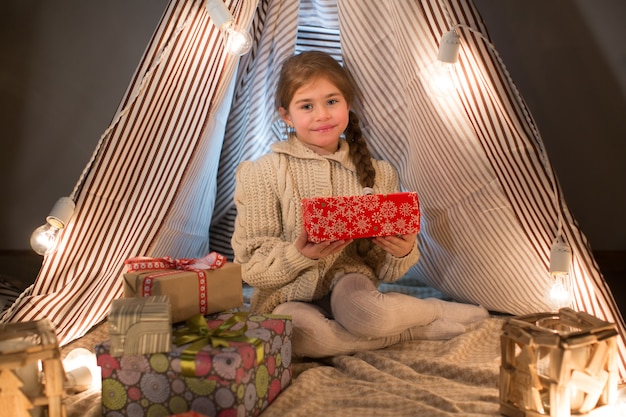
319	113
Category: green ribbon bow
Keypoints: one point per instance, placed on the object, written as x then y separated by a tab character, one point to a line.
198	333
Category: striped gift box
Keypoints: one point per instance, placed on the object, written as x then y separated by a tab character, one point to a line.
140	326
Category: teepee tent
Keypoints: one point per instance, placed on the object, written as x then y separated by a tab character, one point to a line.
161	179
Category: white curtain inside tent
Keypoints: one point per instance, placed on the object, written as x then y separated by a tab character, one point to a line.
161	180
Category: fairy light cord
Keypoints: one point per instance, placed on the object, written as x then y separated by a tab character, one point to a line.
530	121
520	101
168	46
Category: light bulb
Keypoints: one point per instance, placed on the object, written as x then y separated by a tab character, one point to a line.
45	238
82	370
561	292
440	76
237	41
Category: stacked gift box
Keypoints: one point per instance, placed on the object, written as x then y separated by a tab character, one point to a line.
216	364
206	285
241	373
140	325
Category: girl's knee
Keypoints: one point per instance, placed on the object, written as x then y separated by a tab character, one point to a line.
350	283
359	306
317	336
311	335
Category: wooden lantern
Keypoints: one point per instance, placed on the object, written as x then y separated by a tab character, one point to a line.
24	347
557	364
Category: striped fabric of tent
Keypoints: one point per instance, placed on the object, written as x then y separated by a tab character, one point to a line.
492	206
150	188
162	181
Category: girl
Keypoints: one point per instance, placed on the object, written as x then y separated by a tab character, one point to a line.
329	288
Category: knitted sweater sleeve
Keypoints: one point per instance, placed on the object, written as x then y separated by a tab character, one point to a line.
269	260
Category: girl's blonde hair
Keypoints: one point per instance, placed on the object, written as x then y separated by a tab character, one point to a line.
305	67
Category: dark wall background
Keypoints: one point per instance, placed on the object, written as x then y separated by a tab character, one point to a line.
65	64
568	58
64	67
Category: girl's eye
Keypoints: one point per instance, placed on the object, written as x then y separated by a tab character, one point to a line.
332	101
306	107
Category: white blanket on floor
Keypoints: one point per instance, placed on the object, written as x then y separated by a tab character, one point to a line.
418	378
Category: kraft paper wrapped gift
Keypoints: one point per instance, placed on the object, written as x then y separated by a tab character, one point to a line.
191	290
360	216
227	364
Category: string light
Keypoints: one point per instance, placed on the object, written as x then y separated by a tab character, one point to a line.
82	370
441	79
561	293
237	40
45	238
440	76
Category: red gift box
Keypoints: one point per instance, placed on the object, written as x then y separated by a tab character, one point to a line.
353	217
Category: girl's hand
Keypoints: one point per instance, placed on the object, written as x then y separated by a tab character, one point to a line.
318	250
398	246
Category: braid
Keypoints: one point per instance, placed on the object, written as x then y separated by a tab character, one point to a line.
359	152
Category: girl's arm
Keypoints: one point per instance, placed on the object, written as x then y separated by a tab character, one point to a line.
260	244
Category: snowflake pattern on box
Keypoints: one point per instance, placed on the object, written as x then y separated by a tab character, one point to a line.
352	217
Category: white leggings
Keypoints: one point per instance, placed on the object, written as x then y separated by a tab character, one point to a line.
356	317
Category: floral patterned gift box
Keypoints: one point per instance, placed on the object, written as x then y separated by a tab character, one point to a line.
228	364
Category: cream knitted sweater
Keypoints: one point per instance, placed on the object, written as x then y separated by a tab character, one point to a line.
269	219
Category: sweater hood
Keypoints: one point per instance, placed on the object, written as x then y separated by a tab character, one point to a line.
294	148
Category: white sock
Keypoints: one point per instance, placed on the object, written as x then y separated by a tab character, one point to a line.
437	330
